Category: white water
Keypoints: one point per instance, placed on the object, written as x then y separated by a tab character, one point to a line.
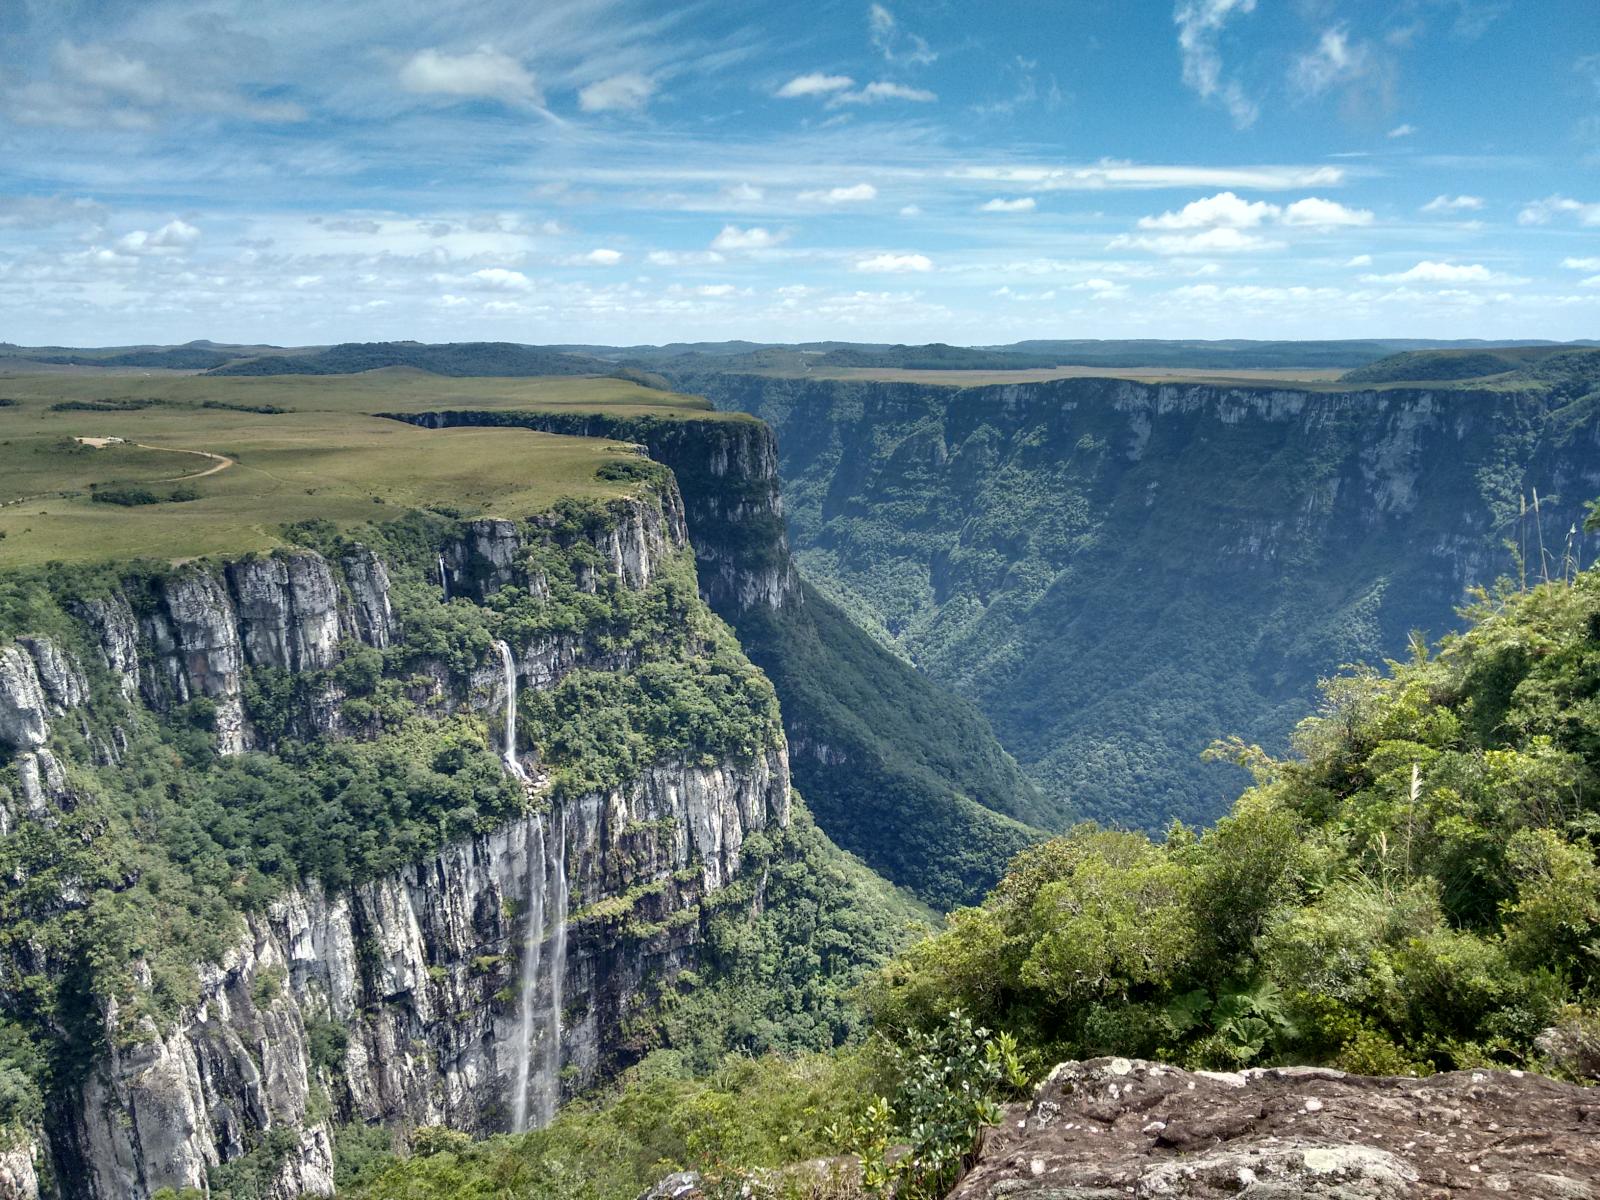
444	579
536	1083
508	752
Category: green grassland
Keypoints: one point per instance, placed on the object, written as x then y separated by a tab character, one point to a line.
319	455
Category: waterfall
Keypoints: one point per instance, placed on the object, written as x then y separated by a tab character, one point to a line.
444	579
536	1081
529	991
509	752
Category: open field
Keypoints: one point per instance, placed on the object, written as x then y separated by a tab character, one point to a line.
323	457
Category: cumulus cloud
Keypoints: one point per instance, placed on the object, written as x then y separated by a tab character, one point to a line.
1223	209
601	257
1318	213
499	279
1222	239
754	238
171	238
1542	212
683	258
629	92
1581	264
1441	272
892	264
1001	204
1401	131
1334	60
484	73
854	194
894	43
1226	210
815	83
1200	25
1360	260
1451	204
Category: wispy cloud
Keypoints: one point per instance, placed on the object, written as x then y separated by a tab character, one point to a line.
1453	204
895	44
1000	204
1542	212
628	92
1200	27
1335	59
856	193
815	83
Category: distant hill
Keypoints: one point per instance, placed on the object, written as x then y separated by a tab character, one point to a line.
1449	365
454	359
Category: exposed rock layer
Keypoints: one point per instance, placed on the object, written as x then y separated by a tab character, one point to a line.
1112	1128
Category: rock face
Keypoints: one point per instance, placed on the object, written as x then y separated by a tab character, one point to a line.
1116	1127
395	1001
727	473
1079	546
412	969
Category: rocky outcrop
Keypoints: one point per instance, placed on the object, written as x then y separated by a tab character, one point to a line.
412	972
19	1172
1116	1127
24	710
371	615
288	611
727	473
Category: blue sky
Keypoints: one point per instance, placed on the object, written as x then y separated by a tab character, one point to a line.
616	171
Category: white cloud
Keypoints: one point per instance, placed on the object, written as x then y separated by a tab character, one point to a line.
1318	213
683	258
1360	260
484	73
1109	175
629	92
602	257
744	193
1000	204
170	238
882	89
716	289
1227	210
111	71
499	279
1219	240
854	194
815	84
895	263
1401	131
1542	212
911	210
1224	209
1440	272
1335	60
1581	264
753	238
892	42
1449	204
1200	25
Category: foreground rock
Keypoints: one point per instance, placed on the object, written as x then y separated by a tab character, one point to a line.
1112	1128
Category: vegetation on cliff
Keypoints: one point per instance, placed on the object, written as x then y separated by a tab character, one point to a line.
1415	889
1118	573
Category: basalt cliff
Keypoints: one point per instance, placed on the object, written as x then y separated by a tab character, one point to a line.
1119	572
463	971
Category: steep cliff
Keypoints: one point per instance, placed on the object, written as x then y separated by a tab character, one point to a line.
896	769
273	870
1118	573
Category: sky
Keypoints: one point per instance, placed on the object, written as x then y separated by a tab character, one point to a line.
619	171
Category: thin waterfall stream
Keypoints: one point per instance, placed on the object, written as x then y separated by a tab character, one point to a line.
536	1075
